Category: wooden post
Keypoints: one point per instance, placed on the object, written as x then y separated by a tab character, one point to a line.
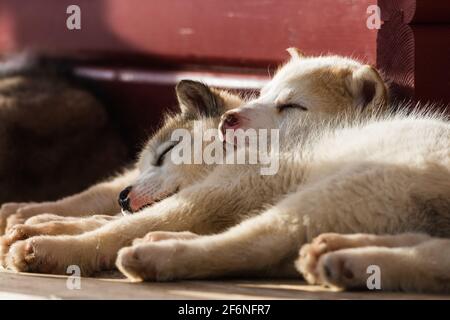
413	48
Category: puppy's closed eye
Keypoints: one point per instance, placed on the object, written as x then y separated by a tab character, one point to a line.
285	106
160	158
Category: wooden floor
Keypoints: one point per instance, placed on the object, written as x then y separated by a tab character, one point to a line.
111	286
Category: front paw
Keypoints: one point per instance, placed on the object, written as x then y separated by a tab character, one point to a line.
349	268
310	254
25	231
150	261
13	235
6	211
336	260
28	210
46	254
30	256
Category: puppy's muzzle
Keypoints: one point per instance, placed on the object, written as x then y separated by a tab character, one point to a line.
229	120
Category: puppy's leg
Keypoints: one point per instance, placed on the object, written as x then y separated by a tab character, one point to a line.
48	217
311	253
67	226
423	267
56	226
267	237
165	235
340	203
9	209
97	250
99	199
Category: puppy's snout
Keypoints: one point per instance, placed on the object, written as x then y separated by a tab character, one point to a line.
230	120
124	199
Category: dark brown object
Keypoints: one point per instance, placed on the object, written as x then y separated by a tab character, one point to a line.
56	138
413	48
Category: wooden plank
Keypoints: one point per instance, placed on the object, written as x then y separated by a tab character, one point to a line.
396	56
234	32
35	286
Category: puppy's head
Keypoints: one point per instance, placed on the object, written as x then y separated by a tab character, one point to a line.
159	176
326	84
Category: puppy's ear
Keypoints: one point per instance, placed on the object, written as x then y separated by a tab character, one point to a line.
196	98
226	100
295	53
367	87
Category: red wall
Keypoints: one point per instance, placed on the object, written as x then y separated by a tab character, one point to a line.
232	32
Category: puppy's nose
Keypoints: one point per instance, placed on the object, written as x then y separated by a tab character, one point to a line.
230	120
124	200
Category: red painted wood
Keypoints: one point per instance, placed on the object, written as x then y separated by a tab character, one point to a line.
416	11
432	63
396	56
234	32
413	48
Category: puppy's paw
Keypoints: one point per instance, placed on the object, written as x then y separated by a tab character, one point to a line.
337	260
14	220
347	269
18	232
7	210
310	254
13	235
30	210
25	231
4	248
130	264
23	257
47	254
149	261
